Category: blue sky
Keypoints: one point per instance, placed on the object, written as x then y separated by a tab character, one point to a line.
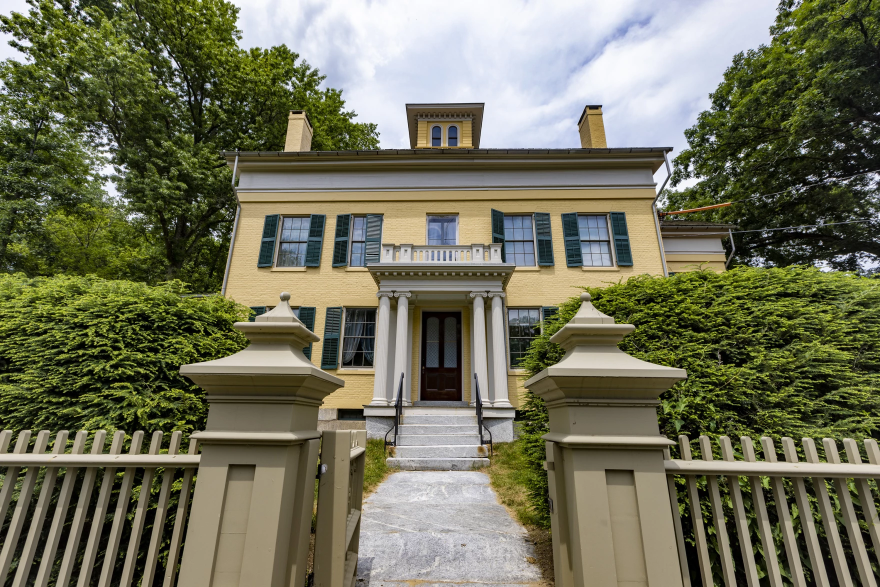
651	64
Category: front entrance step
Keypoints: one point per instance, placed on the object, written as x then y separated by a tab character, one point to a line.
452	451
436	439
444	464
408	429
421	404
411	411
439	419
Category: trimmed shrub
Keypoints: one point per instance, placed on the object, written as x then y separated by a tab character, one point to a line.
89	353
769	352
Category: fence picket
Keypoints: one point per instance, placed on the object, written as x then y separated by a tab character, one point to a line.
26	558
180	520
697	517
764	527
789	539
21	509
742	522
808	524
676	522
137	526
161	512
10	480
727	567
850	521
866	496
57	526
841	569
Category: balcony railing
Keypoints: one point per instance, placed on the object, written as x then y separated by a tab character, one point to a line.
430	254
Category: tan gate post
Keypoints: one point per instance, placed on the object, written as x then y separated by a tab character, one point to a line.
252	507
610	513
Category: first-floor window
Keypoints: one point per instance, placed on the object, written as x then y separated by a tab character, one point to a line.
294	240
595	242
523	326
359	337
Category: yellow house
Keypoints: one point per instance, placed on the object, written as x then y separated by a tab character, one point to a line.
432	267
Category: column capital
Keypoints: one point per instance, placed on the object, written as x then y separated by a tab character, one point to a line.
497	294
402	294
385	294
477	294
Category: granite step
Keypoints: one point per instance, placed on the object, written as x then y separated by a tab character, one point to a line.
441	464
452	451
437	439
438	429
451	420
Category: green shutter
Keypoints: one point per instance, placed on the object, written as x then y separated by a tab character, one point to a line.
332	326
340	246
258	311
572	236
498	232
548	312
545	239
374	238
267	245
621	239
316	240
307	317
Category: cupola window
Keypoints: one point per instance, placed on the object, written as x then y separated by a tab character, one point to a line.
452	136
436	136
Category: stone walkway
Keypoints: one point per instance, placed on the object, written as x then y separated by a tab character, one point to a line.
441	528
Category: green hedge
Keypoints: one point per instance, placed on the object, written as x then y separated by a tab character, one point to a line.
88	353
769	352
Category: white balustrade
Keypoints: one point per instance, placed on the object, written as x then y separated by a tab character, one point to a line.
430	254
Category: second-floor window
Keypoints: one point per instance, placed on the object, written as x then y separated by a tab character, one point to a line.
442	230
436	136
595	241
519	240
358	241
293	242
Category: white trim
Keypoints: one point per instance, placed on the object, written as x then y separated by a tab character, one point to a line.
596	186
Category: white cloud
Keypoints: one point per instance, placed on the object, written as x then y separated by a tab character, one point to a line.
651	63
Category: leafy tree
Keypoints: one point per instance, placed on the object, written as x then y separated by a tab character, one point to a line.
87	353
797	119
768	352
163	86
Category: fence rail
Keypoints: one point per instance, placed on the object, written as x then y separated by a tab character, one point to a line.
92	527
746	502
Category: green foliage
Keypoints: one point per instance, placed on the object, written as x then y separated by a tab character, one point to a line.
163	87
788	115
87	353
375	467
769	352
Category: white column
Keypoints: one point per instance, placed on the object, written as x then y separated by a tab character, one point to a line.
400	348
380	349
499	361
481	367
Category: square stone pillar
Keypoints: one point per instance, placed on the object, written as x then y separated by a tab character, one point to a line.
610	511
252	506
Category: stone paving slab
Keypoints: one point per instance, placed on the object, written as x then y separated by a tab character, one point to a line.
441	528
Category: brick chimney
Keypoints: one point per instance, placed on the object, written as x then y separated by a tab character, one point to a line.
591	128
299	132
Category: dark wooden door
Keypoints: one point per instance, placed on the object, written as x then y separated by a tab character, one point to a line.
441	356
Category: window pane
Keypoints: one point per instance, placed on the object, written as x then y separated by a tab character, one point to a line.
432	343
452	136
435	136
358	258
595	241
519	239
358	228
450	343
523	327
442	230
358	337
292	255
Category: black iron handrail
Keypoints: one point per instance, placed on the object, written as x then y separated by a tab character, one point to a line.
480	425
398	413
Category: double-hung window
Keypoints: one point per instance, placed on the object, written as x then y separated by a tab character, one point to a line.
436	136
519	240
442	230
595	240
358	241
293	241
359	337
523	326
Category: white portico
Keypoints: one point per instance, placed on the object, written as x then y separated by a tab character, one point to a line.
445	286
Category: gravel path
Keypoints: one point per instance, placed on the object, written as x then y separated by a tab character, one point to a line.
441	528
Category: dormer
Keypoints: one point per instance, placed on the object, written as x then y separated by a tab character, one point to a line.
444	126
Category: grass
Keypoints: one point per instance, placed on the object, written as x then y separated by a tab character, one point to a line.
375	470
509	475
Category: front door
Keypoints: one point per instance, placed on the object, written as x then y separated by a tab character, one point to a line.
441	356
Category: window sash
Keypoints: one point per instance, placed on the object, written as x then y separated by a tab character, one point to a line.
293	240
595	238
436	136
358	242
519	239
442	230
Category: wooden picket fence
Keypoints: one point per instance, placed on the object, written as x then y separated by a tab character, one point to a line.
747	501
78	512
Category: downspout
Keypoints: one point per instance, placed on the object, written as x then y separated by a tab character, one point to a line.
234	228
732	249
657	219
